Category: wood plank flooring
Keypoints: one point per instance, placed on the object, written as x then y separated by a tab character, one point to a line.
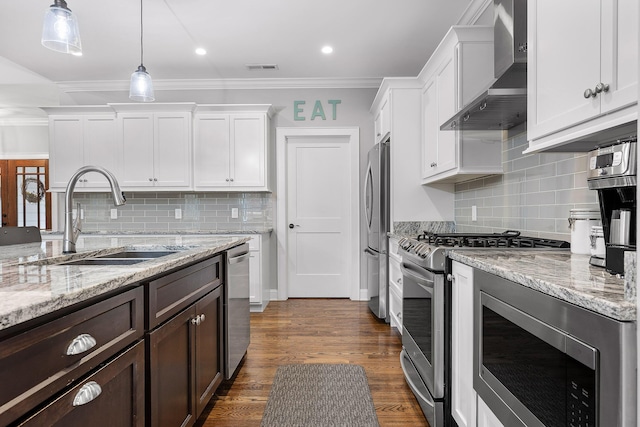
316	331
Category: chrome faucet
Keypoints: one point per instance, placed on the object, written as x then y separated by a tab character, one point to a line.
72	227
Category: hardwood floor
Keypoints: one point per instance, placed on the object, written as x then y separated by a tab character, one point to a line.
316	331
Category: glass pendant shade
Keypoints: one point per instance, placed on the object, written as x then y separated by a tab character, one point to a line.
60	29
141	88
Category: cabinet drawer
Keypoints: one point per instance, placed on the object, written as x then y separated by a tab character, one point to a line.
174	292
395	275
113	395
40	362
395	309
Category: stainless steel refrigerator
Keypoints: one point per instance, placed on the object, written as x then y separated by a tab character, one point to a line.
376	210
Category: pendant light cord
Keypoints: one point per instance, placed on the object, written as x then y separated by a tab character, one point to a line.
141	36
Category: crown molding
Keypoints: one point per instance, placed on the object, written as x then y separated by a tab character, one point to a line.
219	84
25	121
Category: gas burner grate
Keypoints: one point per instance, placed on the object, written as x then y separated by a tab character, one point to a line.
507	239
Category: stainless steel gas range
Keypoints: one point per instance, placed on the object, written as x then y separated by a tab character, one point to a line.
426	307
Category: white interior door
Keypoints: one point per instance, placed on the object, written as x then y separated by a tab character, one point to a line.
317	217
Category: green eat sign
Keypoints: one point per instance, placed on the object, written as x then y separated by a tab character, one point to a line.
318	110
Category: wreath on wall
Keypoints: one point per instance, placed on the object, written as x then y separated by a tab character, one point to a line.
33	190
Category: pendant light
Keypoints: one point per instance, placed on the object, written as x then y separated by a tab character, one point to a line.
141	88
60	29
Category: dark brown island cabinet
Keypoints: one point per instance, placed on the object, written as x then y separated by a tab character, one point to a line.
151	355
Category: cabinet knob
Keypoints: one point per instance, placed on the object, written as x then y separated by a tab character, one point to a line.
451	277
453	125
196	320
87	393
601	87
202	318
155	179
399	280
227	179
150	179
231	179
80	344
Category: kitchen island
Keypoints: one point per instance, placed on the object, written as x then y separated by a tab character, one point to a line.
33	283
127	331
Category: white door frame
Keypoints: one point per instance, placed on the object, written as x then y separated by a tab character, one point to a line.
282	135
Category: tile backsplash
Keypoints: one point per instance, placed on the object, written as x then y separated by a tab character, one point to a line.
156	212
534	195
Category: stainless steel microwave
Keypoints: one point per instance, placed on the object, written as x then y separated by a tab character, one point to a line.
542	362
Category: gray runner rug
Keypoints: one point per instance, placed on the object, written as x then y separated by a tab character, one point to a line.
320	395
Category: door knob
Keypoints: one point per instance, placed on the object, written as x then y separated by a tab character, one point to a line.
293	225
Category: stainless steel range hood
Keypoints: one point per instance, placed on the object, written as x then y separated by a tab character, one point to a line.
504	104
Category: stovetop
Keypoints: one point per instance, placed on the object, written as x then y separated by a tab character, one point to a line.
428	249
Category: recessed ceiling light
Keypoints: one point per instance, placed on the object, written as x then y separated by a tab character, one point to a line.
76	53
327	50
201	51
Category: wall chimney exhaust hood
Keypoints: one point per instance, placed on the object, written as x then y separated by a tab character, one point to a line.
504	104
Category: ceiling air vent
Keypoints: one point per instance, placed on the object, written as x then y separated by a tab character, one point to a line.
252	67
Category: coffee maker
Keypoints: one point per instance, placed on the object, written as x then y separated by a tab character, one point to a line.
612	172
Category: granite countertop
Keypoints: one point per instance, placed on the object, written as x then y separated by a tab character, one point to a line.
163	233
32	284
558	273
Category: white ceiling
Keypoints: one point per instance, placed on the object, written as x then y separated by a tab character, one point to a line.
371	38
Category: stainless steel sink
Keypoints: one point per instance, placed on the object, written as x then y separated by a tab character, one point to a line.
137	254
120	258
105	261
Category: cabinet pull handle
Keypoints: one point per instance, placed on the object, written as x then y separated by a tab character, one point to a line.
399	280
80	344
87	393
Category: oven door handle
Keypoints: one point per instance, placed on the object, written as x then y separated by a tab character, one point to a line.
409	372
422	281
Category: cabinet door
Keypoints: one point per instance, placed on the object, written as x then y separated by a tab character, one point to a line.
382	121
113	395
65	149
564	61
431	130
486	417
136	132
101	148
255	274
172	150
211	151
248	148
171	372
209	346
619	53
446	102
463	397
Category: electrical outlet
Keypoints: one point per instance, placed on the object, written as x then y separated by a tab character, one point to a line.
114	213
178	213
234	212
474	213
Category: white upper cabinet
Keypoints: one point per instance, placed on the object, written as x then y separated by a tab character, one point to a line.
582	72
382	120
231	150
156	150
80	137
399	99
458	71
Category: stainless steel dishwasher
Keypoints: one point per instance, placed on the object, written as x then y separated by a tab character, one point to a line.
236	308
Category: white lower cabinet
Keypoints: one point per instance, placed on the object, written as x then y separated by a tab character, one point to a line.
463	396
395	286
259	270
486	417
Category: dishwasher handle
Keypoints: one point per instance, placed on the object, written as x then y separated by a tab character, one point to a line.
239	258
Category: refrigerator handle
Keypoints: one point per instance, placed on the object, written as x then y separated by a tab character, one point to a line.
367	209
